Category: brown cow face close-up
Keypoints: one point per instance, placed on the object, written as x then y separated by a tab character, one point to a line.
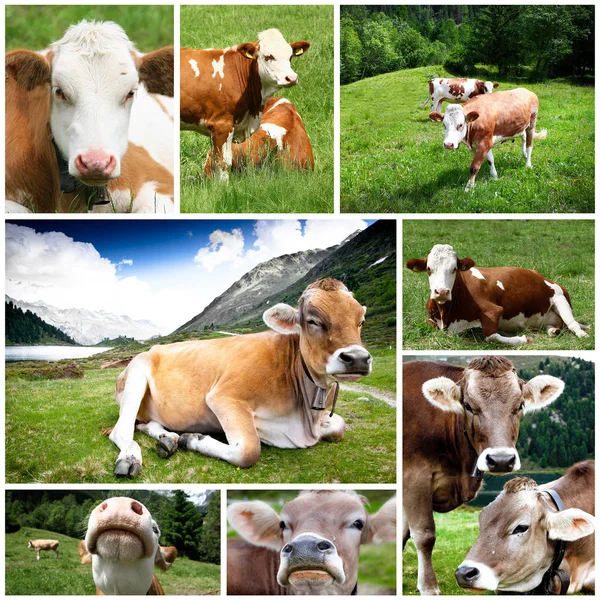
518	533
329	321
492	403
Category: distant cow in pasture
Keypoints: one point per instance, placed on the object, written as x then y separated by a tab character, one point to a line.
496	299
223	92
122	545
488	120
457	425
39	545
456	90
311	547
521	531
281	132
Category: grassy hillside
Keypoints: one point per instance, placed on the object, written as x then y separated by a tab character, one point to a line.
393	160
560	250
24	575
271	189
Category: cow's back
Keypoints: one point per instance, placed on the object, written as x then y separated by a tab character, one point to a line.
251	570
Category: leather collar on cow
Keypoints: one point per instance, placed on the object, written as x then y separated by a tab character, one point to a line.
355	590
320	397
68	184
475	473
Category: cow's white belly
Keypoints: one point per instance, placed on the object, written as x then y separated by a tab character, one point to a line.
519	322
246	127
460	326
498	139
199	128
283	432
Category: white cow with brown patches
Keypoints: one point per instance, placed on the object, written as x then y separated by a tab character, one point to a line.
223	92
456	90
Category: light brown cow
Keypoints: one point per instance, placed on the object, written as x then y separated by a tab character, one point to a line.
273	387
521	528
458	424
488	120
223	92
456	90
282	132
496	299
311	547
122	546
39	545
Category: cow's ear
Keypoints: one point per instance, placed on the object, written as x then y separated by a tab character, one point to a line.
438	117
257	523
157	71
160	560
249	49
282	318
444	394
28	69
472	116
417	264
381	526
541	391
464	264
496	85
570	524
299	48
84	555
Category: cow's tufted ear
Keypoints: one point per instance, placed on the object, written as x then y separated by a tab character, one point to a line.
84	555
157	71
299	48
472	116
496	85
541	391
417	264
382	525
438	117
464	264
28	69
249	50
282	318
257	523
444	394
570	524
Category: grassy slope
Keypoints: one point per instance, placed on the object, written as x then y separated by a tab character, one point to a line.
392	158
269	190
67	576
560	250
34	27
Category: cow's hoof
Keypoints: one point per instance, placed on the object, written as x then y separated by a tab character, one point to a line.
184	439
166	446
528	340
582	334
127	468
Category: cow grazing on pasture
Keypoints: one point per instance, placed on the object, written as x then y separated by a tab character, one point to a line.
520	530
39	545
223	92
70	141
458	424
273	387
122	546
456	90
496	299
281	131
488	120
311	547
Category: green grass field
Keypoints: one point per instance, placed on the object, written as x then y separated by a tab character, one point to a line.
24	575
35	27
53	433
392	157
561	250
270	189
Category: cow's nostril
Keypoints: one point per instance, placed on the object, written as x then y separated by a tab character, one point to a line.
346	358
102	507
287	549
511	462
324	545
490	460
136	507
466	574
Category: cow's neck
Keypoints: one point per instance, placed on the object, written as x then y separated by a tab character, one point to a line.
115	577
253	93
456	309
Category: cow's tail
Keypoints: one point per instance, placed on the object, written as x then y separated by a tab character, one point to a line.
427	100
540	135
107	431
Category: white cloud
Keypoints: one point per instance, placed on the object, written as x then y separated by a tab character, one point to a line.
126	262
223	248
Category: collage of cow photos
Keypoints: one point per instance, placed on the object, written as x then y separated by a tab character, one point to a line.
235	236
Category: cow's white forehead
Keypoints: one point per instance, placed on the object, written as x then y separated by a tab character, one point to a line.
454	116
271	41
89	38
441	254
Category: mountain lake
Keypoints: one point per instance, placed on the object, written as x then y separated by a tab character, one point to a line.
50	353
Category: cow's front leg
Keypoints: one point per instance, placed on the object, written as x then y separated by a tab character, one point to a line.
167	440
490	320
481	153
490	158
332	428
222	140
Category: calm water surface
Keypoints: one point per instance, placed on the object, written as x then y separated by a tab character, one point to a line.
49	353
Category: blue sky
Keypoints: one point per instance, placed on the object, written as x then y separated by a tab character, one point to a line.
166	271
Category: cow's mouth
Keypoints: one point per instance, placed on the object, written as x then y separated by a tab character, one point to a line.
308	578
345	376
95	182
118	544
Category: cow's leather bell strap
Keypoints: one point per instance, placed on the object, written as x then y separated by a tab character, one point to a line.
320	398
355	590
476	473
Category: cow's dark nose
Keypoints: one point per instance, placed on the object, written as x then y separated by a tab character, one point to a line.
466	575
356	361
501	463
307	547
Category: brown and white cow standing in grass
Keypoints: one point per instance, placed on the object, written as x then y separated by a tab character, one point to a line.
39	545
275	387
520	529
122	545
456	90
496	299
223	92
312	547
488	120
456	420
282	132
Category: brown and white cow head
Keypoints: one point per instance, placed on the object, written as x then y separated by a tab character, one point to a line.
492	399
489	87
441	264
517	538
123	541
95	71
329	321
318	537
273	56
455	122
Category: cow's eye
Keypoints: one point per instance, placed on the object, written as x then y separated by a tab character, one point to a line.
282	525
131	94
359	524
155	529
428	271
269	57
60	94
522	407
468	408
361	323
520	529
315	323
